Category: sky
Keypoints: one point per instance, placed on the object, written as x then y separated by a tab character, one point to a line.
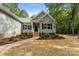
33	8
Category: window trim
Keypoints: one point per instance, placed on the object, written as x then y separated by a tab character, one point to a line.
27	27
47	26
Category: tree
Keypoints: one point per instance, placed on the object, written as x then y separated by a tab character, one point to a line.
73	8
13	7
66	16
23	13
60	12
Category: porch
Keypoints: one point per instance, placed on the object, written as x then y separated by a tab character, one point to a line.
36	29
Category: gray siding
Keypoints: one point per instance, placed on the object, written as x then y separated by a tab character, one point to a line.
53	30
27	30
9	26
47	20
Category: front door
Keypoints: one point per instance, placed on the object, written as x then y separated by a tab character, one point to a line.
36	29
36	32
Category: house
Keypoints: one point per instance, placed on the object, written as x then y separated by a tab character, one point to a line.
41	23
11	25
26	25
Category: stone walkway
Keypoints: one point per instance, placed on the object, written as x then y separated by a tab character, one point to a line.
6	47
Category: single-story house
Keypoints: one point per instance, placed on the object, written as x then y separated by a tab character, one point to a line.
11	25
41	23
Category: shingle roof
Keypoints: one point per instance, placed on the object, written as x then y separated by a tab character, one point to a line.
25	20
8	12
33	17
45	14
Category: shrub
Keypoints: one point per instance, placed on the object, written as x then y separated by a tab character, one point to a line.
50	35
57	37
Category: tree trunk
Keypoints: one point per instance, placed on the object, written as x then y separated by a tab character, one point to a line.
73	7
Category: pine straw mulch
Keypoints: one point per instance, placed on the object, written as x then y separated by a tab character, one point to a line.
14	39
56	36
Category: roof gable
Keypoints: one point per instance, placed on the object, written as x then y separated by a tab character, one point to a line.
48	17
42	13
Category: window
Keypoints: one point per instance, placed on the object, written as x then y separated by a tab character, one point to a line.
43	26
29	27
46	26
49	26
24	26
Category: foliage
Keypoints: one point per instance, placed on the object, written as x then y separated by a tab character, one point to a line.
15	9
23	13
66	16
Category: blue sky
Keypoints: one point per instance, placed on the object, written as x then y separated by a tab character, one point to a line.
32	8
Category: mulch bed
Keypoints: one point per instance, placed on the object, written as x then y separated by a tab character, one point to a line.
51	37
14	39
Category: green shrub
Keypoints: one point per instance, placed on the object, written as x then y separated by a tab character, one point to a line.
50	35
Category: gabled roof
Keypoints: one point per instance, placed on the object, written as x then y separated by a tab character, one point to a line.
48	16
42	12
8	12
45	14
25	20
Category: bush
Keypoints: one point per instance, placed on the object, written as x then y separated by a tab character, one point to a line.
57	37
50	35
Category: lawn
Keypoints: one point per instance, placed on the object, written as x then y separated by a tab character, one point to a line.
50	47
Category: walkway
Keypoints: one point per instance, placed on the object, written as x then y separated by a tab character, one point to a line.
6	47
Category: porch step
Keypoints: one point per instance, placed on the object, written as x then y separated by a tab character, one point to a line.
36	34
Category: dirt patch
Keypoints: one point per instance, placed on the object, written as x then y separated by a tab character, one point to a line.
50	47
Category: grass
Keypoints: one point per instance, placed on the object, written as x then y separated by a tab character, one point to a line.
49	47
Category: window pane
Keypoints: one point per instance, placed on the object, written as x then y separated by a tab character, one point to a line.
46	26
24	26
29	27
43	26
49	26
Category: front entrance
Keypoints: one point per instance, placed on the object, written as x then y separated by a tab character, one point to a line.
36	30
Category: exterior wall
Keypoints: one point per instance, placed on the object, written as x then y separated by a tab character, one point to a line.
27	30
47	20
9	26
53	30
